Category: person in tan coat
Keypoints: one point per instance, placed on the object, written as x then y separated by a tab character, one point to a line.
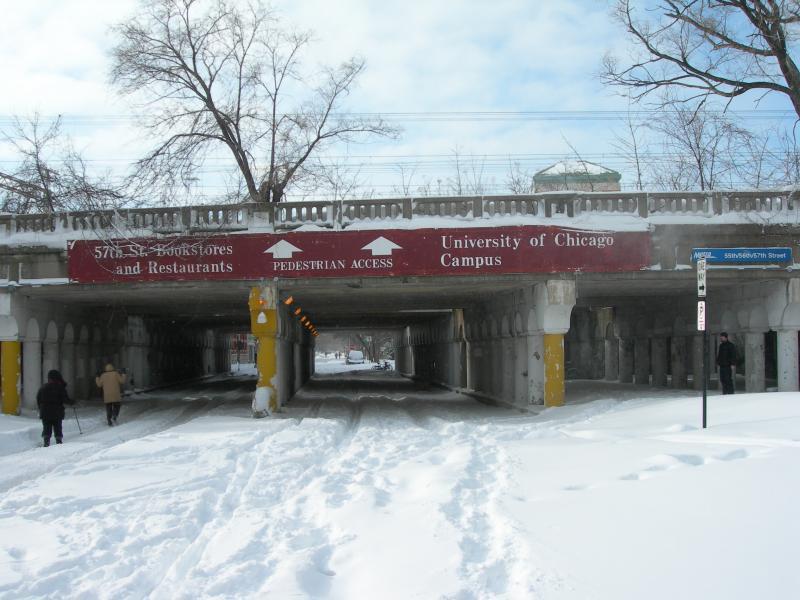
111	382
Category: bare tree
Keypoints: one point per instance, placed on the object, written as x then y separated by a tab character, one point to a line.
708	48
51	175
632	145
232	77
698	148
519	180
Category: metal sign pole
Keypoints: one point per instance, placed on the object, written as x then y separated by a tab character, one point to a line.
705	375
702	318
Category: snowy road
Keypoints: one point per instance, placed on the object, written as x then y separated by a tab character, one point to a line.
370	486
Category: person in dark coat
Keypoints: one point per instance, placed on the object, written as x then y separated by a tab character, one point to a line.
726	360
51	398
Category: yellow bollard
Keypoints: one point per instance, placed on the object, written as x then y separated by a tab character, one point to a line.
554	369
264	325
10	374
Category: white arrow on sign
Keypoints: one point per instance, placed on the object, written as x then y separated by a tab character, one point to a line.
382	247
282	249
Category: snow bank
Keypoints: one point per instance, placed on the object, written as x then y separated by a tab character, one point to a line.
377	487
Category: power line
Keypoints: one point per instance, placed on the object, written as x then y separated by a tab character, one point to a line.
448	116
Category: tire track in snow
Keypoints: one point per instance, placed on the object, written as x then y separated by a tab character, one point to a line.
494	561
287	462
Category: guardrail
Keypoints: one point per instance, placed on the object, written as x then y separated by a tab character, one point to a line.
284	216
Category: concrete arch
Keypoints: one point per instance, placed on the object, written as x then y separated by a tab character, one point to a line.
680	326
791	317
757	319
494	327
643	327
505	326
610	334
69	334
9	329
662	325
728	321
32	331
519	326
51	335
531	322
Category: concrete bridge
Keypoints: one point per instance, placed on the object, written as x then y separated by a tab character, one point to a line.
502	297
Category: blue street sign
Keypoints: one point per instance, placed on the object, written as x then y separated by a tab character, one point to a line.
719	256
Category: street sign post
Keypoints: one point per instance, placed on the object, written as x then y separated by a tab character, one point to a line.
701	278
732	258
701	326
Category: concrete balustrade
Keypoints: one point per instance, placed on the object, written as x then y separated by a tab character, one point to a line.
775	205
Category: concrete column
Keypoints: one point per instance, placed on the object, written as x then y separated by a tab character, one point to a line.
641	360
611	359
10	376
626	347
68	366
787	361
754	362
697	362
658	360
264	325
553	303
283	377
50	357
678	361
31	371
299	370
508	359
82	380
498	368
554	391
535	356
521	370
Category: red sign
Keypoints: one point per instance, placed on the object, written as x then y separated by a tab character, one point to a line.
361	253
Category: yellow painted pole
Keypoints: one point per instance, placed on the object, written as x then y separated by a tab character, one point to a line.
264	325
554	369
10	374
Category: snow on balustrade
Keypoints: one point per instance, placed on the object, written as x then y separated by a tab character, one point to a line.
607	210
607	203
371	210
443	207
759	202
290	215
512	206
676	203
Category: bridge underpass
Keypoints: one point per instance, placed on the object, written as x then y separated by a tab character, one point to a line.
507	333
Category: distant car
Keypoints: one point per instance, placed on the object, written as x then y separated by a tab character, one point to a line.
354	357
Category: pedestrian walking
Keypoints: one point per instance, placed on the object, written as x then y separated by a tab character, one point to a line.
110	381
726	360
50	399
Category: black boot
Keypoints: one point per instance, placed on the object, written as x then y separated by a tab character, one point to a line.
59	441
45	442
110	423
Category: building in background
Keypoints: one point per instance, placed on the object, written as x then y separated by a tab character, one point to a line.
578	176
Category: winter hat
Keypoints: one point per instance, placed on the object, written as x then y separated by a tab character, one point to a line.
723	334
54	375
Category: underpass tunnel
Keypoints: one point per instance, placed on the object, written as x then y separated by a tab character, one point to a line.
514	341
491	339
160	336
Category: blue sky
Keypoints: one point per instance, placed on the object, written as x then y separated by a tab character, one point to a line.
422	57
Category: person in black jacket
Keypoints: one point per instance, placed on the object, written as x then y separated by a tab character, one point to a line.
51	398
726	360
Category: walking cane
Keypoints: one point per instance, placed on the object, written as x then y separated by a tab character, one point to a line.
75	412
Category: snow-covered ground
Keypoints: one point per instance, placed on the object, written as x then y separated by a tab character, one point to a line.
370	486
